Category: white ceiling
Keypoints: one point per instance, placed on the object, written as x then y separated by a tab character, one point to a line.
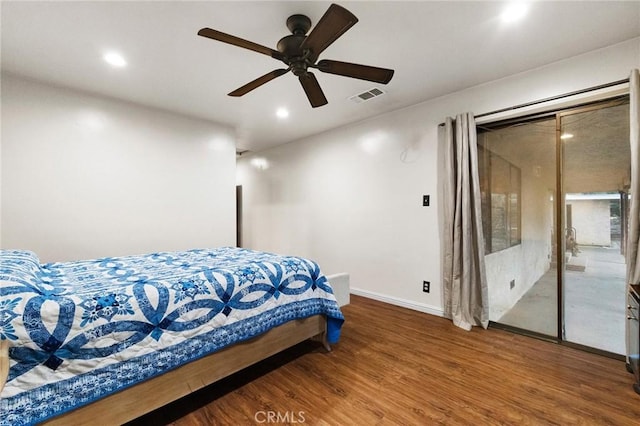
435	48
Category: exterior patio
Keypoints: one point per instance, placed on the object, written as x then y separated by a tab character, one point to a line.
594	301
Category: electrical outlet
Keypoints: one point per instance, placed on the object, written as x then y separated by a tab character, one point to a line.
512	284
426	286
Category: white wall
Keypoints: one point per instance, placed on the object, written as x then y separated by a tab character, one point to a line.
85	176
351	198
592	221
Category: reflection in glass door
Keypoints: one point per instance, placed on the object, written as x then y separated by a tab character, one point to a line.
596	163
554	199
518	184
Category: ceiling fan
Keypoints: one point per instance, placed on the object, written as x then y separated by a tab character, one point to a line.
300	52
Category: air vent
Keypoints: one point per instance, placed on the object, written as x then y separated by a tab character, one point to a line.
365	96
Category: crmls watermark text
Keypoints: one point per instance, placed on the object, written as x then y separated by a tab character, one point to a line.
279	417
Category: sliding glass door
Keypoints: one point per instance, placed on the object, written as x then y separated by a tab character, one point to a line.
518	175
554	196
596	176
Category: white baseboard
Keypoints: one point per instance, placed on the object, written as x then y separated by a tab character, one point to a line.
421	307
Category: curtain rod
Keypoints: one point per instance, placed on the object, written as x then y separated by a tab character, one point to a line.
552	98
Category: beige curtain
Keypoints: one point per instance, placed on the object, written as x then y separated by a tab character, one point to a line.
465	283
633	256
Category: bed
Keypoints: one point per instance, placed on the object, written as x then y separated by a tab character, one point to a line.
116	337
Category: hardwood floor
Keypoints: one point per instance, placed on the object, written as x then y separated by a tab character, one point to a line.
394	366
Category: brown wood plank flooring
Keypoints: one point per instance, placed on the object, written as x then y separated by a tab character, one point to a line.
395	366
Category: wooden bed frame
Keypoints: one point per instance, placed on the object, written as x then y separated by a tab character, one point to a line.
4	362
146	396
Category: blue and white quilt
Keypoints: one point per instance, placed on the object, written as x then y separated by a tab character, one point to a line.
79	331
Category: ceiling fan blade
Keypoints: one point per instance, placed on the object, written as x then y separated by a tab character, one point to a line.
312	89
258	82
362	72
237	41
335	22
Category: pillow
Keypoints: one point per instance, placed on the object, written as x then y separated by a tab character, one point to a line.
21	266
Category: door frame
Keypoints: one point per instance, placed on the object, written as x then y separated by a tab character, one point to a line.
238	215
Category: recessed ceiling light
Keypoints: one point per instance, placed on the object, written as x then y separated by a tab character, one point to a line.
114	59
566	136
282	113
514	11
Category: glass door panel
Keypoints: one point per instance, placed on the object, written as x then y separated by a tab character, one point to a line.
595	181
518	170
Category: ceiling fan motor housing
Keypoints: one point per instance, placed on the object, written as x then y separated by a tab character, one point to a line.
289	45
